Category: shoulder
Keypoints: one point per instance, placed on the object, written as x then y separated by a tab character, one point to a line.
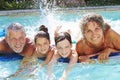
29	48
80	45
3	41
80	42
29	43
111	34
4	46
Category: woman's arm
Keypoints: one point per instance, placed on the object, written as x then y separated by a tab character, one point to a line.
104	55
113	45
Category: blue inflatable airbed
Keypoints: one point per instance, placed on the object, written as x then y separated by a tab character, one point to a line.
16	56
10	56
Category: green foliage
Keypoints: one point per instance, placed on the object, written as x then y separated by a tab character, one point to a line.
103	2
12	5
31	4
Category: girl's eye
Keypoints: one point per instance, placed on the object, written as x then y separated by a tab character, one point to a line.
67	47
59	48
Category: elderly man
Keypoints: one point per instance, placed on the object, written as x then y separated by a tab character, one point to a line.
15	41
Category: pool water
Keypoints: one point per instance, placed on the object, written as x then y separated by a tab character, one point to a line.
69	20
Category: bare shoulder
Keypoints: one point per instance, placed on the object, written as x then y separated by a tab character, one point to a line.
29	48
3	45
110	33
80	45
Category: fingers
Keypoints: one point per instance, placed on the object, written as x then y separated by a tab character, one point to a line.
102	58
57	30
83	58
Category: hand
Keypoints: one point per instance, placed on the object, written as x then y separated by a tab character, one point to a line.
83	58
104	56
57	30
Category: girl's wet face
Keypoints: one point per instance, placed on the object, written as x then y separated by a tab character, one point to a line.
42	45
93	33
64	48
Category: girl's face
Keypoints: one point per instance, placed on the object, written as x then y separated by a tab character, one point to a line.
42	45
64	48
93	33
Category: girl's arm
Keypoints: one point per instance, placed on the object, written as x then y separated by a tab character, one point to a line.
73	60
51	63
47	60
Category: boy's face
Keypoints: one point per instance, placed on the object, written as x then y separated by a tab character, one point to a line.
64	48
16	40
42	45
93	33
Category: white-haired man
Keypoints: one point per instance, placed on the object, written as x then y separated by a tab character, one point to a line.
15	41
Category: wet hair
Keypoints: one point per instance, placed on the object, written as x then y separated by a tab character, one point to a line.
14	27
43	28
43	32
92	17
61	36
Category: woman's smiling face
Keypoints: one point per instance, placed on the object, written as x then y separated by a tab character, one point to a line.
93	33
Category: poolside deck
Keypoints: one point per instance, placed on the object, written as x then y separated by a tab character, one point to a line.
37	11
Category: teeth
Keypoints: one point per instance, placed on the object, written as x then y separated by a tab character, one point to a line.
95	38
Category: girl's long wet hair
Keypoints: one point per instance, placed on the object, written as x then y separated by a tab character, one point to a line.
61	36
42	33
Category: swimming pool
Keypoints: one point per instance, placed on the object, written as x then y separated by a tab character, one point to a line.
69	20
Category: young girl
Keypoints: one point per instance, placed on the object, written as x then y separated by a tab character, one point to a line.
43	49
63	50
98	39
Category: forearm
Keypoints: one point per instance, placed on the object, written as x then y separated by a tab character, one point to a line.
114	50
50	66
44	63
66	72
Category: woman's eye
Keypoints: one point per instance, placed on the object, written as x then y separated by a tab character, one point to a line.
88	31
97	29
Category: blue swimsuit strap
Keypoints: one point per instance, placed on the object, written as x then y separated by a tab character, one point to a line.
64	60
42	58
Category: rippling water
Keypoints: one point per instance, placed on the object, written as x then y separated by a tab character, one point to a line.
69	20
